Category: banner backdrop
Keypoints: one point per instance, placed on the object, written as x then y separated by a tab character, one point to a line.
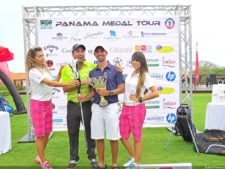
157	38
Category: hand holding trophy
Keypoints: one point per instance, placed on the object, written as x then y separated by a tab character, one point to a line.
100	83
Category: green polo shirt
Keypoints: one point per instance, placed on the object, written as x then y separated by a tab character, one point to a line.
68	76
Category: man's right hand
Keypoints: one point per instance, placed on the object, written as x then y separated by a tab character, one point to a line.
81	97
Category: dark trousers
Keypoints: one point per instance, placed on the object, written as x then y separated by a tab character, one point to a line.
73	124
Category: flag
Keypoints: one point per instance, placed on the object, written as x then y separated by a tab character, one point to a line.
196	67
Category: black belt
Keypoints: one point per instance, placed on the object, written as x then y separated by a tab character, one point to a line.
86	102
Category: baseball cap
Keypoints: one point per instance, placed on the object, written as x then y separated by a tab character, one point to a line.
100	48
76	46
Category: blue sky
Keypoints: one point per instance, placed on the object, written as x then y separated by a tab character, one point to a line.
207	25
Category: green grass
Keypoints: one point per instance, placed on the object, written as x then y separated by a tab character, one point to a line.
154	140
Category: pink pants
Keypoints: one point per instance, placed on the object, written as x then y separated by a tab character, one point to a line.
41	115
131	120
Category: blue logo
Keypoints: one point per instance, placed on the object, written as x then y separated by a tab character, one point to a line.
46	24
112	33
169	23
171	118
170	76
96	62
57	120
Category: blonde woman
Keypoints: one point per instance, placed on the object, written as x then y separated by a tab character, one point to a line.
138	88
41	84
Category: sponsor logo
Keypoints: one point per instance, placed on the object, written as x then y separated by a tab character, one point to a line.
95	62
144	48
65	50
51	50
112	35
152	34
168	62
75	37
117	61
155	118
49	63
157	76
169	104
75	23
129	64
46	24
165	90
153	104
52	69
130	35
120	50
93	35
153	62
59	36
170	76
57	120
148	23
164	49
171	118
169	23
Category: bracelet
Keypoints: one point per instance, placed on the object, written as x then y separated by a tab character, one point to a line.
110	93
140	99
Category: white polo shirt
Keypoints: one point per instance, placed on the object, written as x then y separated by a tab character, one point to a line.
39	90
131	85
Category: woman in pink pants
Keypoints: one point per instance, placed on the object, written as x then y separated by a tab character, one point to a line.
41	84
139	87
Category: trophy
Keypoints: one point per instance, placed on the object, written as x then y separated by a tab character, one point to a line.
73	65
98	83
117	61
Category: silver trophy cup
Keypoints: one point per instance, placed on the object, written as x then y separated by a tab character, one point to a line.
98	83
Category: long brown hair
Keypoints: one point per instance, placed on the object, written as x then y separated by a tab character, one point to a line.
30	59
140	57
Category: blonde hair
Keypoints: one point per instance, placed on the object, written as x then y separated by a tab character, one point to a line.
30	59
140	57
140	84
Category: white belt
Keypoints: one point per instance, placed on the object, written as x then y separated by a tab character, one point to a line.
131	103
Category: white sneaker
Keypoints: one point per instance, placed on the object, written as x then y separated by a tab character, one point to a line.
133	165
130	160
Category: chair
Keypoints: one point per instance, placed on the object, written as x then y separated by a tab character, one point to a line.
212	79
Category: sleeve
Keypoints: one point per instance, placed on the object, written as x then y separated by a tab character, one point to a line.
66	74
119	78
90	76
148	82
36	76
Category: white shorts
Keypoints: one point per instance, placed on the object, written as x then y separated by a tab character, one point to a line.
105	120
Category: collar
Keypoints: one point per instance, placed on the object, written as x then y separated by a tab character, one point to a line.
109	65
85	63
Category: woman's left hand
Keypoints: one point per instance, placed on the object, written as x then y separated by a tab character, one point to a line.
133	97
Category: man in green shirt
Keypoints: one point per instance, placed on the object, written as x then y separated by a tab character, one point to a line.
74	116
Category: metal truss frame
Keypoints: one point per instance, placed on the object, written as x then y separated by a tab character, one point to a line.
30	15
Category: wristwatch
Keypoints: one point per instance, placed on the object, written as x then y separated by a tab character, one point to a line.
140	99
110	93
